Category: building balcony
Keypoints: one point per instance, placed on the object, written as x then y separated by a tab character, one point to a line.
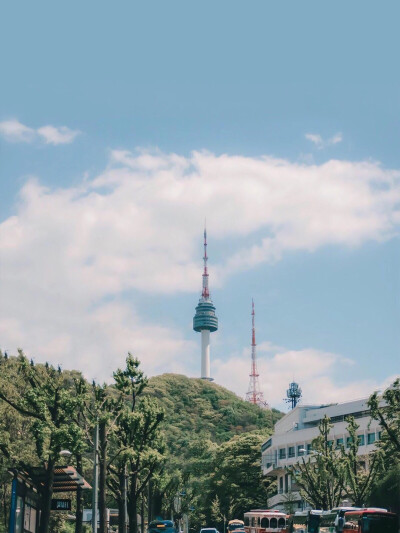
271	469
279	499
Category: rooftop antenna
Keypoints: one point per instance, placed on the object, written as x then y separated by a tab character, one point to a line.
293	394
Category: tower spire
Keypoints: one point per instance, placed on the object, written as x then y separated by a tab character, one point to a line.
205	293
254	394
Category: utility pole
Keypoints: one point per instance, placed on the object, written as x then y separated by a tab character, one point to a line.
95	478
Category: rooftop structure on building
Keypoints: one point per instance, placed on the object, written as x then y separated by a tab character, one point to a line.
293	394
254	394
293	436
205	320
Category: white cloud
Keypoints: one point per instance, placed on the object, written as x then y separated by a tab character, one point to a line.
60	135
137	227
321	375
320	142
15	131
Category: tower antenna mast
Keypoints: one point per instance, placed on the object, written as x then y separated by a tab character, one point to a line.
254	394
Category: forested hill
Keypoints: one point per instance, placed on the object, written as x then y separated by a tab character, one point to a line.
196	406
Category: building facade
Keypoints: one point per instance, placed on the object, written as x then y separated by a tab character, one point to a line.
293	436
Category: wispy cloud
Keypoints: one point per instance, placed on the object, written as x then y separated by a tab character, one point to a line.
320	143
15	131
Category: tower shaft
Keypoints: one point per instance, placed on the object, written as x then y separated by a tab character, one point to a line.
205	354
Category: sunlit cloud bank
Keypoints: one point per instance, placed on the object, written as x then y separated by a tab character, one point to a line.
323	376
66	252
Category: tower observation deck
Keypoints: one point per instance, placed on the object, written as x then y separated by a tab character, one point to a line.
205	319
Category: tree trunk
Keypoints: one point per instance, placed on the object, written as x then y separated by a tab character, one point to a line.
122	517
132	509
47	495
102	477
156	503
142	515
79	509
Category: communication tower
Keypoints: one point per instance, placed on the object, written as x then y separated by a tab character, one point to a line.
293	394
254	394
205	319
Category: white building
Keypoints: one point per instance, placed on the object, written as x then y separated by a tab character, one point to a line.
295	432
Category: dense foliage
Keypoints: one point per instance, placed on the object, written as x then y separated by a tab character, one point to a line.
170	445
213	439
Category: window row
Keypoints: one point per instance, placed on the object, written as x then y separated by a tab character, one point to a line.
300	450
272	523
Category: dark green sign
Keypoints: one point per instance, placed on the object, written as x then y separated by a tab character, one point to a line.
60	505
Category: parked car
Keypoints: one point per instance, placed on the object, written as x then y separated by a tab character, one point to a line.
208	530
164	526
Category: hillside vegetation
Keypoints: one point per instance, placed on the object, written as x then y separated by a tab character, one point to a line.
199	407
213	440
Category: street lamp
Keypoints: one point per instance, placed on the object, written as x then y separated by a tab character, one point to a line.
65	453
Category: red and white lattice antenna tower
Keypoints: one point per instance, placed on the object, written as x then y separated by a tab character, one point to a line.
254	394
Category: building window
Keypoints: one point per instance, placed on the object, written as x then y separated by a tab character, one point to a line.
361	440
286	483
280	485
291	451
309	449
300	450
282	453
379	435
329	443
371	438
339	442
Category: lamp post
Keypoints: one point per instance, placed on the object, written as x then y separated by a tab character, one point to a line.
95	479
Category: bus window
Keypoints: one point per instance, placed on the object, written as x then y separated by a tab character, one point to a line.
376	524
246	521
274	523
264	523
281	523
253	521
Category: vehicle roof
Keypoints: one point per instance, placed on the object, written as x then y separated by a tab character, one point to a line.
266	511
370	510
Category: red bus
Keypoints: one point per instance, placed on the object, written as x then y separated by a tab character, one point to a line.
370	520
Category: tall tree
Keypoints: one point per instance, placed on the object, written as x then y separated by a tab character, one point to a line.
104	410
137	444
48	402
321	478
386	409
237	478
361	471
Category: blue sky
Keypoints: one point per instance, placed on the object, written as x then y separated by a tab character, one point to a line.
124	125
